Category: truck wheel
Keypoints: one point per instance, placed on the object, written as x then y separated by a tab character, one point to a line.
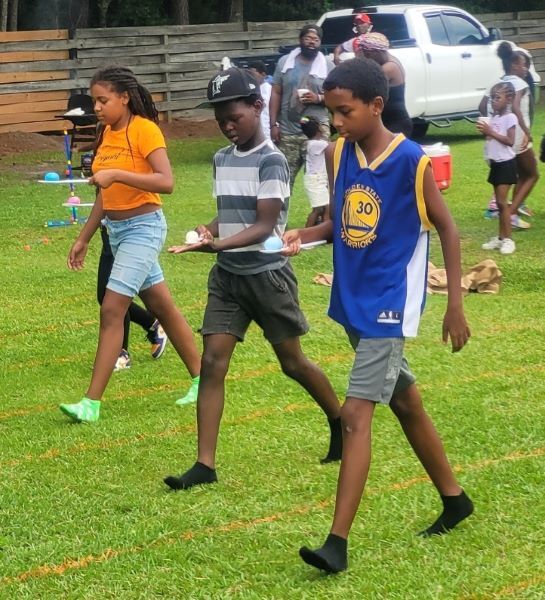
419	130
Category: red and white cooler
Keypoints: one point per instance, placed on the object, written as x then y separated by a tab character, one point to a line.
441	163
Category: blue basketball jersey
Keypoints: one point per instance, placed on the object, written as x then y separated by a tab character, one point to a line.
380	239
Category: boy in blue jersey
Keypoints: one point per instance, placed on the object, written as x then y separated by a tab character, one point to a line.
384	202
251	187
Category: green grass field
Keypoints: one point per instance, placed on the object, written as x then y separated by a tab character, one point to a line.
84	512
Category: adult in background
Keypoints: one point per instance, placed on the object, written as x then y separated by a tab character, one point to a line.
395	116
362	25
259	70
296	93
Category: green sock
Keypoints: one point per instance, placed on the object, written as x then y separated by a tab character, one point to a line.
86	410
193	392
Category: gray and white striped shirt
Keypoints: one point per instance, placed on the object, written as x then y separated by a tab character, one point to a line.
240	180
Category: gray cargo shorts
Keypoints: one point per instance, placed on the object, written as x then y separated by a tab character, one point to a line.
269	298
379	369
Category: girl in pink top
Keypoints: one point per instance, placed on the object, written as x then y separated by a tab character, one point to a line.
499	152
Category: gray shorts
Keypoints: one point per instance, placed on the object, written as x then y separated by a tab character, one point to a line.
379	369
269	298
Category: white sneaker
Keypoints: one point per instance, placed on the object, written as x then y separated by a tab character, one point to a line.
123	361
507	246
518	223
525	211
493	244
158	338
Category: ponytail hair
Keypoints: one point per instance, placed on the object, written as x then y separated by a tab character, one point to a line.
310	126
509	56
122	79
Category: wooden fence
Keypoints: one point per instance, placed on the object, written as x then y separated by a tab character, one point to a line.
39	70
527	29
34	80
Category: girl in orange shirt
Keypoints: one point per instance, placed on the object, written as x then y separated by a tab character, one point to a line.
130	169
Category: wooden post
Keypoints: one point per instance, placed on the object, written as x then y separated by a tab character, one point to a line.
4	5
166	77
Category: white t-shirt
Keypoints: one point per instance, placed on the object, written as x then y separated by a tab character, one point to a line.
495	150
265	89
348	46
315	157
519	84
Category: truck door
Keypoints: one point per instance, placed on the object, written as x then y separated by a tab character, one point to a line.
481	67
444	67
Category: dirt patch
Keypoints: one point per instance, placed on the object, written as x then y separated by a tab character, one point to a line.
16	142
188	128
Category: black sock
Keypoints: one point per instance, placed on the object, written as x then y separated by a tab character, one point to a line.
197	475
455	509
332	557
335	441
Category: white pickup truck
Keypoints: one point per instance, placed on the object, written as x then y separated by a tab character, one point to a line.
449	57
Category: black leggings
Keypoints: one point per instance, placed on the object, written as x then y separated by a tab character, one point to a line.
136	313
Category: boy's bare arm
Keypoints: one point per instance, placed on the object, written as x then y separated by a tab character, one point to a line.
454	322
212	228
207	233
266	218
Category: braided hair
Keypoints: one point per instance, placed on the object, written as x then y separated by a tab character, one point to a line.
121	80
505	87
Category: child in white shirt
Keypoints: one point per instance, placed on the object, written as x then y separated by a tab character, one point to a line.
315	180
259	70
500	153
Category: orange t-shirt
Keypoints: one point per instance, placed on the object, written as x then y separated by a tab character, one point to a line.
128	149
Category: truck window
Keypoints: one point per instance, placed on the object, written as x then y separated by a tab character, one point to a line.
394	27
462	31
337	30
438	33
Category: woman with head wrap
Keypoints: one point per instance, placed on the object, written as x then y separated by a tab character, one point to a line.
375	47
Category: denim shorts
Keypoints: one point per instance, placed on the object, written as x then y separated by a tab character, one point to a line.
136	243
379	369
269	298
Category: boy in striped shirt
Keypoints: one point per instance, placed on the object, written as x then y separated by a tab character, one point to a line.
247	283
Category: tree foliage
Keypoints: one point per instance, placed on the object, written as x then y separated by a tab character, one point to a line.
52	14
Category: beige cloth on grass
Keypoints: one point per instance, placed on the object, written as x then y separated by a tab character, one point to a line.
483	278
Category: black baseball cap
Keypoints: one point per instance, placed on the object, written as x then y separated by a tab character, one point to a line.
230	84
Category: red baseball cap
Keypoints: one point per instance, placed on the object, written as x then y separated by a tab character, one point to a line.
361	18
